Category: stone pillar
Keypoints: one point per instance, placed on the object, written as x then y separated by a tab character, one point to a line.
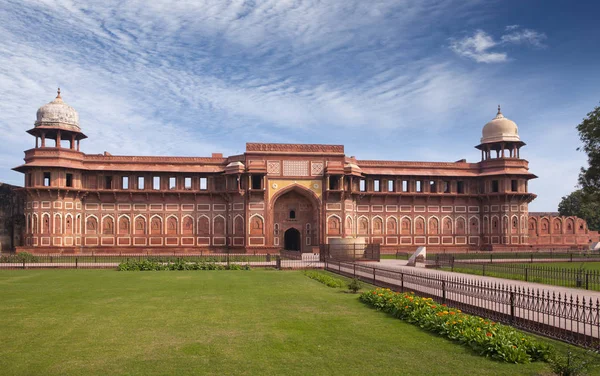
58	139
77	145
43	139
36	141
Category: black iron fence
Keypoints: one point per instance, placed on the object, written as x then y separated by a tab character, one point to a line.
504	257
350	252
564	317
104	261
567	277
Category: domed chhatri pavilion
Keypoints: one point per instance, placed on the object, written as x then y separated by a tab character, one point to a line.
278	196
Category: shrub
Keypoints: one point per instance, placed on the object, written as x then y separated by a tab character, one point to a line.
181	264
570	365
485	337
354	285
325	279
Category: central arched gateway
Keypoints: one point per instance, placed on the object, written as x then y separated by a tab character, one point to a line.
292	239
294	219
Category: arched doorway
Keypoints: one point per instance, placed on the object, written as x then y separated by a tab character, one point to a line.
295	208
292	240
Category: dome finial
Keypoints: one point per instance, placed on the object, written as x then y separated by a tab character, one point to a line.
58	93
499	111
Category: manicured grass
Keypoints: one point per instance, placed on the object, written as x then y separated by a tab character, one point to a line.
259	322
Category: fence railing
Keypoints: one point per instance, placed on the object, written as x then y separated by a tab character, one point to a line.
567	277
112	261
350	252
503	257
564	317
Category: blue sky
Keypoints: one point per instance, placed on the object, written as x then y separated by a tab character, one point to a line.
399	80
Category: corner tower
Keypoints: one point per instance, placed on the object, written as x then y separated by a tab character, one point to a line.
503	185
59	122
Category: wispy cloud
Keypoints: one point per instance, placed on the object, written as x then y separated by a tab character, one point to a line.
190	78
477	47
483	48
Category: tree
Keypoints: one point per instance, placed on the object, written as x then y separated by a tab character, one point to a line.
583	205
589	134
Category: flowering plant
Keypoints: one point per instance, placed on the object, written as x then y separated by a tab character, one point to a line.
485	337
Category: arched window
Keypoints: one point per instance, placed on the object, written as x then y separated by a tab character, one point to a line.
292	214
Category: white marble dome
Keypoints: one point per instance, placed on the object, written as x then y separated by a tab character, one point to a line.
58	113
500	129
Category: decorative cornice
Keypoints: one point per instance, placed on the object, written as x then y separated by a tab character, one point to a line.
297	148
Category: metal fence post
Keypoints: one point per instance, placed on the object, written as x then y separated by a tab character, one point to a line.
401	282
23	263
526	274
373	275
587	280
354	265
512	307
278	262
443	292
76	262
483	269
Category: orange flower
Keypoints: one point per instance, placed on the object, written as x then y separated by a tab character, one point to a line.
488	334
432	306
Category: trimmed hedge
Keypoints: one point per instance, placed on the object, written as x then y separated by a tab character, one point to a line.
150	265
485	337
325	279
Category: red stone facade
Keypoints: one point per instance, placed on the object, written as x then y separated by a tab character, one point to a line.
274	196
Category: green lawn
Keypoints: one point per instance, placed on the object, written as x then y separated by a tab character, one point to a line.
259	322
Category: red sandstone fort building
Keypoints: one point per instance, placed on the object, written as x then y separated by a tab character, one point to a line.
278	196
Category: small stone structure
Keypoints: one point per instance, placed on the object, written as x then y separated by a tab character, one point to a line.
353	248
419	256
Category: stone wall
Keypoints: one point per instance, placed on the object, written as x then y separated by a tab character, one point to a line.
11	218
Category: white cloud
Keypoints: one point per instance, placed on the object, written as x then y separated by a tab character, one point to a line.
525	36
477	47
480	46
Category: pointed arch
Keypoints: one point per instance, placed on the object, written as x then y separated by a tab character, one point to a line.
257	225
362	225
377	225
238	225
544	226
570	226
140	225
505	225
203	225
34	223
485	228
447	225
91	224
334	224
434	225
108	225
474	226
532	225
78	224
156	225
460	226
124	225
187	225
514	224
69	224
391	226
349	225
406	227
420	227
557	226
172	225
57	224
495	224
28	225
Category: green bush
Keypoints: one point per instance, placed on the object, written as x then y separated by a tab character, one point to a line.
180	264
485	337
19	258
570	364
325	279
354	285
